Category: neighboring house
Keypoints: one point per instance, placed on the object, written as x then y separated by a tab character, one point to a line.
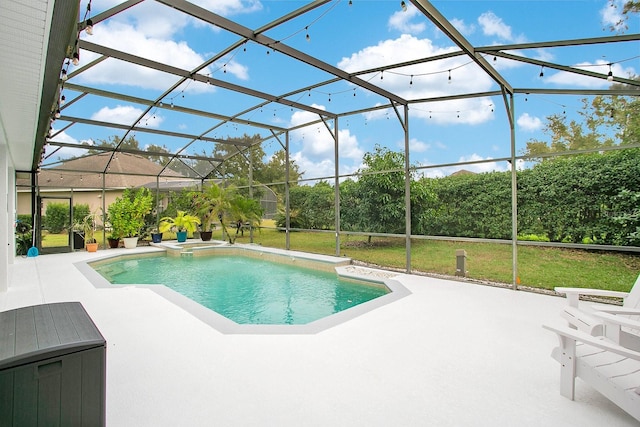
76	181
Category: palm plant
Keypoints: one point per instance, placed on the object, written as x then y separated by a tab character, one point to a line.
181	222
227	206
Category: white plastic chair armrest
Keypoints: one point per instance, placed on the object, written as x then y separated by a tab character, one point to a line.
604	344
616	309
573	294
617	320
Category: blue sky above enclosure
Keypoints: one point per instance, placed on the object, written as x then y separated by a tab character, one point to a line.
354	38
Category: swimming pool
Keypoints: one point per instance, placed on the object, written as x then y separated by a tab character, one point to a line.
246	290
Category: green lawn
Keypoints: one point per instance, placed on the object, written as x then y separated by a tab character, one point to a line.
537	267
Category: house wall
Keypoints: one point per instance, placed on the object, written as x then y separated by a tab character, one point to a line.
92	198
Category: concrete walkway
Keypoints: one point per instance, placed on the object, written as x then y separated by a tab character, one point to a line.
450	354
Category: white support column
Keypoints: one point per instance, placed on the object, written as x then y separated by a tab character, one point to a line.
7	231
12	203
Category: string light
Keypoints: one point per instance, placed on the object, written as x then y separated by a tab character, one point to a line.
610	74
449	80
89	27
403	6
542	71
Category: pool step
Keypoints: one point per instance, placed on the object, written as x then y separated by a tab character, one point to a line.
187	253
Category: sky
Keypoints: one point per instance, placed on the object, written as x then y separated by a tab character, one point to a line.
356	37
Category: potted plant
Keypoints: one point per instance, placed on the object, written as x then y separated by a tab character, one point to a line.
205	205
88	228
181	224
127	213
228	207
113	240
156	236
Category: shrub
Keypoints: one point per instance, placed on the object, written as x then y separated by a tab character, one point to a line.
57	217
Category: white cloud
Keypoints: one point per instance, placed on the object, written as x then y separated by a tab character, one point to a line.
159	21
426	80
127	115
529	123
612	16
401	21
460	111
58	153
464	28
493	25
417	146
599	66
316	154
124	37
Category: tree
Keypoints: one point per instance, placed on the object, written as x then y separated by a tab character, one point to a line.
274	171
628	8
130	142
311	207
605	121
376	202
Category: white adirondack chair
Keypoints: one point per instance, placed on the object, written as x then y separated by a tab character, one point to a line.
611	369
588	318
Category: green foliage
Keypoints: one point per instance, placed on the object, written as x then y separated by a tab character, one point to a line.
57	217
181	222
180	201
126	213
579	197
376	202
628	216
605	121
312	207
80	211
228	206
471	205
24	234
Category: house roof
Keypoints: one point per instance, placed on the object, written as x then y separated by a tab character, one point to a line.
124	170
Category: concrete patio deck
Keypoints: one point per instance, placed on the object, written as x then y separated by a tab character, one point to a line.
450	354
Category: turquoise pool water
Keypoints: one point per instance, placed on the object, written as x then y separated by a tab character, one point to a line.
246	290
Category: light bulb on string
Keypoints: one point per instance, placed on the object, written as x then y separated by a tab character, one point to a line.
403	6
449	80
89	27
610	74
76	58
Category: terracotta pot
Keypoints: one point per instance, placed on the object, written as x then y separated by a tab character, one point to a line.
92	247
